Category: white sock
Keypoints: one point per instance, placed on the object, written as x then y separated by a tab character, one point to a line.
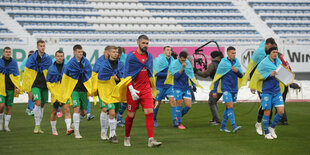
112	124
106	122
102	121
76	121
1	118
7	119
41	114
81	118
53	124
88	114
37	111
68	123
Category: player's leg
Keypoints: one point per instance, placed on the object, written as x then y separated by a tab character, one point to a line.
188	102
112	123
104	121
30	105
89	115
160	95
54	118
76	113
120	120
8	106
173	109
266	106
66	109
36	94
278	103
2	102
230	99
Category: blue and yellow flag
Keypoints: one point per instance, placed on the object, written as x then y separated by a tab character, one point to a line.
132	68
33	67
13	72
264	69
256	58
223	68
53	80
71	75
175	67
94	76
161	63
106	82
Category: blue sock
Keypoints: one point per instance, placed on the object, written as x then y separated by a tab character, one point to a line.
185	110
30	105
123	108
266	124
155	111
179	114
118	117
231	116
276	119
173	113
88	107
58	110
224	121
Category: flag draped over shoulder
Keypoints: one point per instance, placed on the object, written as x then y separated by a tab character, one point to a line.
256	58
33	67
264	69
94	76
71	75
106	82
132	68
223	68
161	63
175	67
13	72
53	80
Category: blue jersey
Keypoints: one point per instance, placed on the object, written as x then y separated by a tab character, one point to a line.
229	80
271	85
181	81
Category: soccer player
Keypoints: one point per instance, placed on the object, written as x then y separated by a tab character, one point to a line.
10	85
228	72
76	82
161	66
30	105
182	71
216	57
264	81
34	80
138	88
53	78
110	73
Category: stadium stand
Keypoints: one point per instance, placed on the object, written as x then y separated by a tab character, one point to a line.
177	22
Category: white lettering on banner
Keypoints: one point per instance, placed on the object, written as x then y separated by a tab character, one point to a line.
246	56
298	57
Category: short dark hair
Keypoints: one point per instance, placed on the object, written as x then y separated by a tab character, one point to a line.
59	51
167	47
84	53
121	50
271	49
270	41
183	54
30	53
7	48
142	37
40	41
77	46
174	55
230	48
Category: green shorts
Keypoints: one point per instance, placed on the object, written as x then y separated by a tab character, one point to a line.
57	104
79	99
115	106
8	99
40	94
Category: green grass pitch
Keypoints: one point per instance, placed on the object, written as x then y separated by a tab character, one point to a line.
198	138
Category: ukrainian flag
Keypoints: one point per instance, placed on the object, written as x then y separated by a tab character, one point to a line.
223	68
264	69
13	72
53	82
161	63
132	68
71	75
123	58
106	82
175	67
256	58
94	76
33	67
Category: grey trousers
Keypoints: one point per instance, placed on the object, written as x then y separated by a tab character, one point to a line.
213	106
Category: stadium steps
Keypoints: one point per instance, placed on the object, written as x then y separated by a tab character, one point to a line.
16	28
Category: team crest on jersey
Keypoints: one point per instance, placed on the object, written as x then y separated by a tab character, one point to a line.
225	93
266	98
188	92
178	91
158	91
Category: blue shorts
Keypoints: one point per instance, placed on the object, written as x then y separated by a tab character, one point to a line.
164	92
229	97
272	100
180	94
